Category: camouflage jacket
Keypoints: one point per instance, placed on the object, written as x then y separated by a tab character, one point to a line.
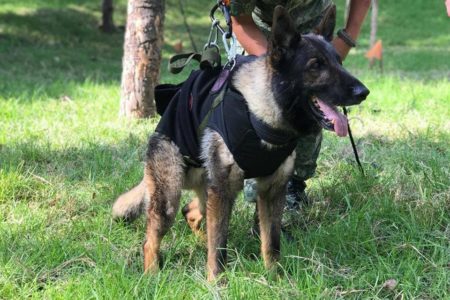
306	13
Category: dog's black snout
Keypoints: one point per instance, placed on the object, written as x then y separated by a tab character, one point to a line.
360	92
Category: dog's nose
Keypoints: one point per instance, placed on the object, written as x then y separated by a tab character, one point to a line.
360	92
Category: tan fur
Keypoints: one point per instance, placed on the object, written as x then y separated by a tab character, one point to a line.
164	177
271	198
225	180
259	96
217	219
152	245
129	204
194	213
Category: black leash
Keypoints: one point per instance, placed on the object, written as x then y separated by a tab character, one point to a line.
355	151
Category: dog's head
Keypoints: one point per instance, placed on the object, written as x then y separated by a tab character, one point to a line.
308	78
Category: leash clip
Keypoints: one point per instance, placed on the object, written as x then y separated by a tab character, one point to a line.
228	38
213	35
230	47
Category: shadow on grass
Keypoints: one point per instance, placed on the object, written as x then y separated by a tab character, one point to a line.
61	27
90	164
49	50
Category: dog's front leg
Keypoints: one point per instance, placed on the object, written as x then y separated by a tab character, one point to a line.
271	200
217	221
225	180
225	184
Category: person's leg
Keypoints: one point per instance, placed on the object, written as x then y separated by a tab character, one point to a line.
250	192
307	150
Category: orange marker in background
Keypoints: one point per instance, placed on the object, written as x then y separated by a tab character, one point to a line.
376	51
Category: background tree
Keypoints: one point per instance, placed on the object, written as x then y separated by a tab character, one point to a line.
374	23
107	16
142	57
373	31
346	11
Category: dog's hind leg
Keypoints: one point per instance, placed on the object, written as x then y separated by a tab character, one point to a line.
271	199
164	174
225	180
195	211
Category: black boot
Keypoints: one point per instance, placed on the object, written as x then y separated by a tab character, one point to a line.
295	194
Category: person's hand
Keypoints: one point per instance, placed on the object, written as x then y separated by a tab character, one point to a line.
341	47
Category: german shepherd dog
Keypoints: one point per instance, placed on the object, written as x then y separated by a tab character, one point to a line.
296	88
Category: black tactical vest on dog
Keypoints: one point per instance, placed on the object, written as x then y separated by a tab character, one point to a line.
185	106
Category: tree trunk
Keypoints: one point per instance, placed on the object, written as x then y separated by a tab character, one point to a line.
346	11
373	30
374	23
107	16
142	57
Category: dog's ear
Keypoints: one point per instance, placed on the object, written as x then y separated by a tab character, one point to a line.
284	36
326	26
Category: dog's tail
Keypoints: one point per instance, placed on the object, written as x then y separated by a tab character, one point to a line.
131	204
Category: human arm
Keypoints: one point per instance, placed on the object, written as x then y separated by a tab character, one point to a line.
247	32
357	13
249	35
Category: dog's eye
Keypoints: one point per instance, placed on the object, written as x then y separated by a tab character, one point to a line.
314	64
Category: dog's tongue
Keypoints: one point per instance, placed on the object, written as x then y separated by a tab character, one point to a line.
338	119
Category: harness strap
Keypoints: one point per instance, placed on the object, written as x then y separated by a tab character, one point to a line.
355	151
210	58
271	135
179	61
217	100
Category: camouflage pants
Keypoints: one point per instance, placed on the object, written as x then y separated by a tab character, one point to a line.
307	150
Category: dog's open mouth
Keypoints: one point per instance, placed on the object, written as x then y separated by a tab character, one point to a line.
328	116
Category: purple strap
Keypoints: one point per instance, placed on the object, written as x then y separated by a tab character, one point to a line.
221	79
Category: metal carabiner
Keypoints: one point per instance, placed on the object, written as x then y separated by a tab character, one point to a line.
213	34
228	38
230	46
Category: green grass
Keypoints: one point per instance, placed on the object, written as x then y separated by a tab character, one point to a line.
65	155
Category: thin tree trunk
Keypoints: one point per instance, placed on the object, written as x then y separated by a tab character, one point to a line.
186	24
346	11
142	57
107	16
373	30
374	23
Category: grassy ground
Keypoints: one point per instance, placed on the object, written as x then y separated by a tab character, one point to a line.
65	155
